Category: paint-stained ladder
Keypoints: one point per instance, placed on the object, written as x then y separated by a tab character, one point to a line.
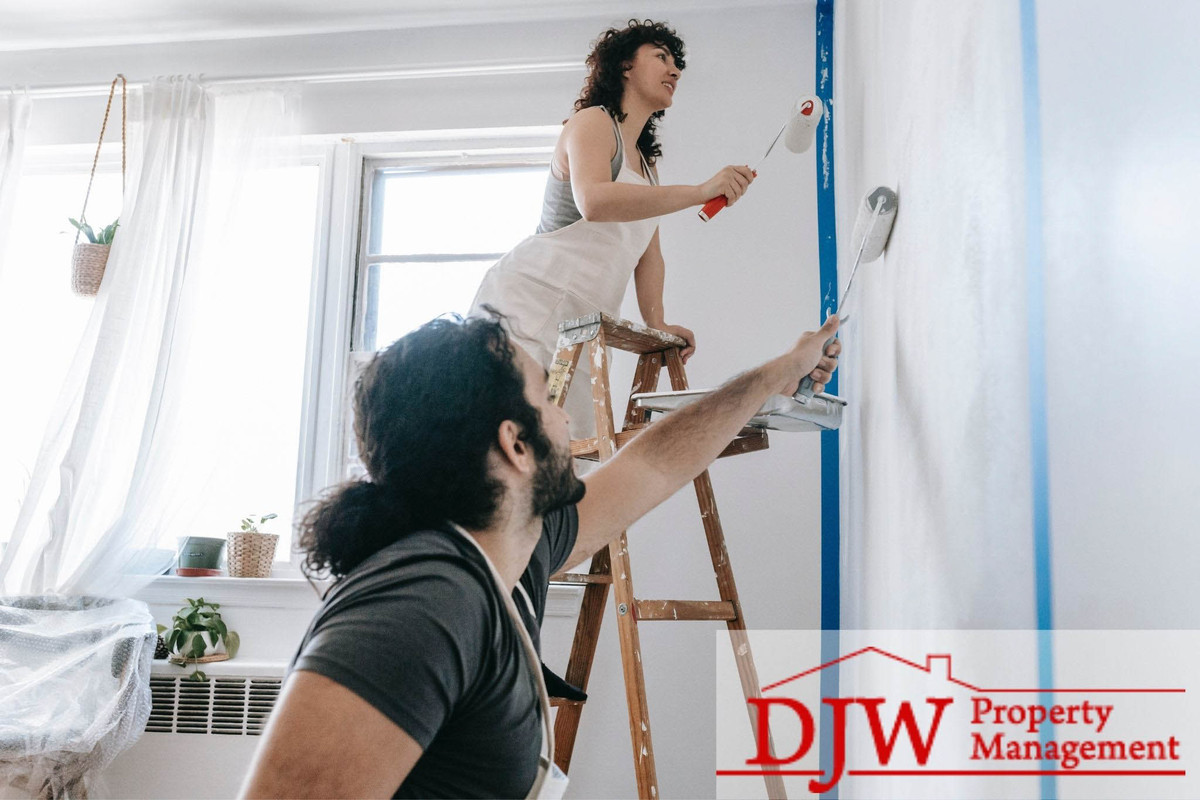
595	333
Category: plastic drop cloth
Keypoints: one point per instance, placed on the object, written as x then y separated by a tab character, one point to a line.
937	477
74	689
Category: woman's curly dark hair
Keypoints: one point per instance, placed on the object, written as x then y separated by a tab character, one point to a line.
427	411
607	64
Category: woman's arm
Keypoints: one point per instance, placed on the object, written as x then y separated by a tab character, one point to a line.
648	279
588	141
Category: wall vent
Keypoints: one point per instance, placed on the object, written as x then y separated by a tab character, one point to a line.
230	706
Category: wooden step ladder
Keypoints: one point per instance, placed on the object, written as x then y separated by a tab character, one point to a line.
596	332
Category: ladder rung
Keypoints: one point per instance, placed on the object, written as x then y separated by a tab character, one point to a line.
619	333
588	451
684	609
748	440
558	702
580	577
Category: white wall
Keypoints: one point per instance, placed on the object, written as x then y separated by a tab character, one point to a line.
746	283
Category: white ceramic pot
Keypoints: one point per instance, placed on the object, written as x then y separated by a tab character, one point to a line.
213	644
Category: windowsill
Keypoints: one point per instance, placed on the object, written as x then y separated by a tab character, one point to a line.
274	592
563	600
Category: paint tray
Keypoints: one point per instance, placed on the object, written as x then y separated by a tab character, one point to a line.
821	412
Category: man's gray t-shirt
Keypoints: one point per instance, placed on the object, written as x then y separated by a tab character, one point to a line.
419	631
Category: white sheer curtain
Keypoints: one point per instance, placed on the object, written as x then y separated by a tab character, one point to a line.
14	123
132	441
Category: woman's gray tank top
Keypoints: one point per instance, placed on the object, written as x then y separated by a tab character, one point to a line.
558	203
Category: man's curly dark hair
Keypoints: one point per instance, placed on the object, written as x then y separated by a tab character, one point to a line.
426	414
607	64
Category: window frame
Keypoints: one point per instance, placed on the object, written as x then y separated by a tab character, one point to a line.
333	350
336	355
371	217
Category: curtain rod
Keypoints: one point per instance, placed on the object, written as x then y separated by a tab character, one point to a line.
358	76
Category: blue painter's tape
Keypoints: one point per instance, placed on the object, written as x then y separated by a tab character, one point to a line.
831	578
1036	310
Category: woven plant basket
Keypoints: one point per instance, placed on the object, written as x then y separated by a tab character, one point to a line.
251	554
87	268
89	259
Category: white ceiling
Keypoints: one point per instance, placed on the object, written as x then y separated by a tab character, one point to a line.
51	24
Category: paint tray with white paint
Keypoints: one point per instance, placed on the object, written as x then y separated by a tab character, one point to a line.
821	412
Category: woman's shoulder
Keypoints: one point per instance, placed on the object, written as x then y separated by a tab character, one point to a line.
591	128
590	118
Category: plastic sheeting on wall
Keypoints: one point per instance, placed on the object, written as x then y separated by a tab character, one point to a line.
1122	171
937	463
935	456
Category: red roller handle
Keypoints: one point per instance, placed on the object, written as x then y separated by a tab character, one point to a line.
714	206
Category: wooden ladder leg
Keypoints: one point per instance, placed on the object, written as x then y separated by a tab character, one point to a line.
562	371
627	630
595	594
723	571
583	654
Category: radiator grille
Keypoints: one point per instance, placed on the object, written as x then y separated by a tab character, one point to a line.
230	706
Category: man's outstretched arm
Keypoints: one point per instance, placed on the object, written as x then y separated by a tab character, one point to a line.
677	448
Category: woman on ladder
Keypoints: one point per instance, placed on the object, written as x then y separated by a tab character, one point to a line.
599	222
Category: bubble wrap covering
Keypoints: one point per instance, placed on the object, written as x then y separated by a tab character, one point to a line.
74	688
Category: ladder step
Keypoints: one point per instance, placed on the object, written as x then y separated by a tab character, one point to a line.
748	440
619	333
684	610
580	577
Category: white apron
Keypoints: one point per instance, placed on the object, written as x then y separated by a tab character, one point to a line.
551	782
550	277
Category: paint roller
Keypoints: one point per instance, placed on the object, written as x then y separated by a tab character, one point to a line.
872	227
797	135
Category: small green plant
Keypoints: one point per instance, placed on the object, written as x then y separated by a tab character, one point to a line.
249	525
198	626
104	237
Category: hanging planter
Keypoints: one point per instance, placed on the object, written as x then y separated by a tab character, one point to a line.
89	258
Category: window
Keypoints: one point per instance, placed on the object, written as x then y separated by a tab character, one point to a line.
246	370
318	267
429	235
248	353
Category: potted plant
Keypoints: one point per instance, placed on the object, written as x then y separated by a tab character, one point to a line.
90	257
199	556
104	237
199	635
251	551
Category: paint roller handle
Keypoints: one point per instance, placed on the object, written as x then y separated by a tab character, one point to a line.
715	204
807	383
713	207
